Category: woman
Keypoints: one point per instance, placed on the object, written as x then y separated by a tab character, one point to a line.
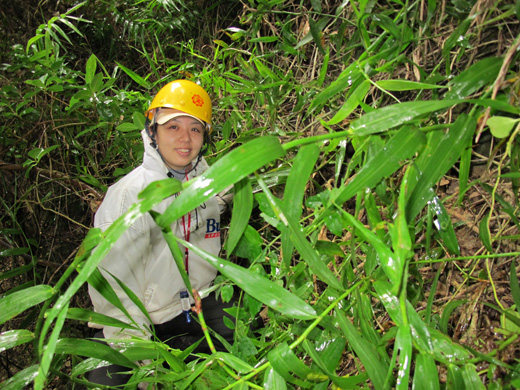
175	137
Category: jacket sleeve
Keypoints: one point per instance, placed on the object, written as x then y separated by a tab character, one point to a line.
127	261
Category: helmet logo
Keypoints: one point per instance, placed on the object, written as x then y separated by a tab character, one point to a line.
197	100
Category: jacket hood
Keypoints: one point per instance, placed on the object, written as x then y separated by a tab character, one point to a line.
153	161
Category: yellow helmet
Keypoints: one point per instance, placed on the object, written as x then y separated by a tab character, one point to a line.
185	96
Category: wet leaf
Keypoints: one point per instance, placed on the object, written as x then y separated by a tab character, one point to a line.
396	115
259	287
19	301
12	338
242	207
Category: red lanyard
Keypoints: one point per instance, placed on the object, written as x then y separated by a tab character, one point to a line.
186	237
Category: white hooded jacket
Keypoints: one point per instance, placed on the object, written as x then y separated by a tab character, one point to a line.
141	257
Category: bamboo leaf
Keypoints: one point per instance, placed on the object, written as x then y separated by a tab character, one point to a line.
134	76
12	338
227	171
293	229
405	85
80	347
17	302
426	376
395	115
374	366
471	378
242	208
347	78
441	157
404	144
474	78
76	313
287	364
444	226
387	258
21	379
47	352
403	344
351	103
273	380
260	288
302	168
350	382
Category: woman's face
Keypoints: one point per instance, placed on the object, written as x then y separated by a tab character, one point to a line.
179	141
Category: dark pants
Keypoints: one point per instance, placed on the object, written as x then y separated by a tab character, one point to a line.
177	334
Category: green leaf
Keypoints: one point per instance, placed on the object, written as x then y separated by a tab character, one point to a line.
90	69
301	170
12	338
134	76
474	78
351	103
47	352
81	347
242	208
85	315
444	226
260	288
405	85
227	171
250	244
403	344
273	380
485	234
349	382
501	126
426	376
126	127
395	115
17	302
436	160
315	31
403	145
375	367
287	364
471	378
21	379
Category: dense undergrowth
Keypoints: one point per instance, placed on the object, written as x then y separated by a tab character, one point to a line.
372	148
